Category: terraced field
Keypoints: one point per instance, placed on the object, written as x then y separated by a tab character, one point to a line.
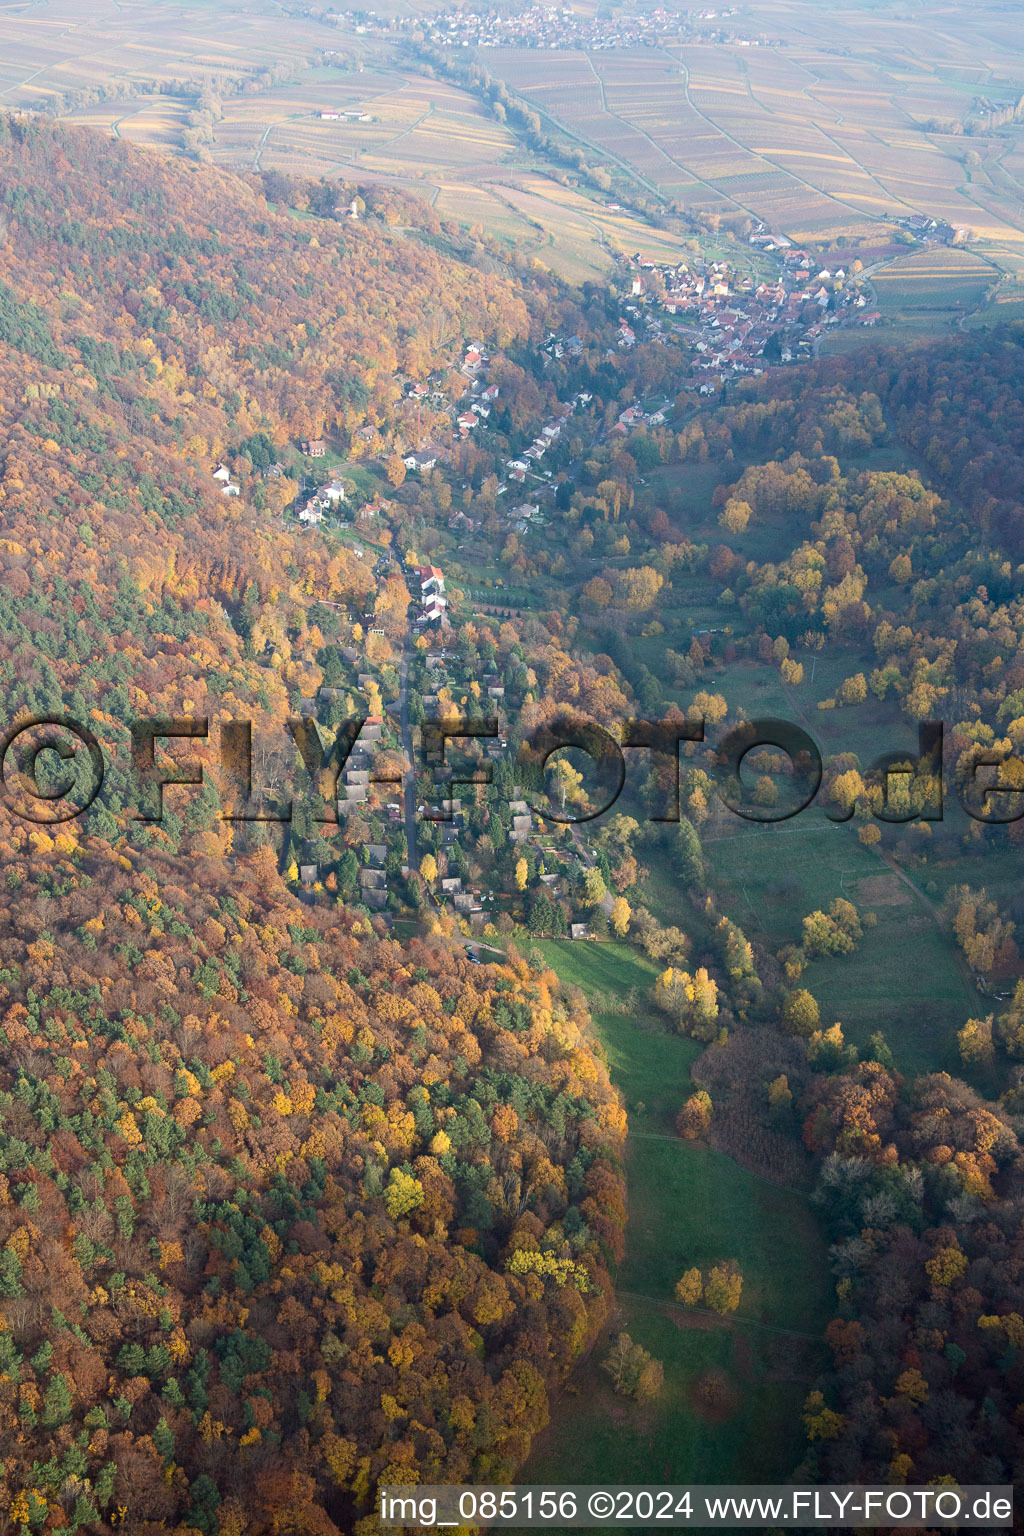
49	55
825	124
842	129
931	281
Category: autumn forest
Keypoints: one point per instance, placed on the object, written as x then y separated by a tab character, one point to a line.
417	1128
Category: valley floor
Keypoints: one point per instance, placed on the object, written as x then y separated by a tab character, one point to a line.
730	1406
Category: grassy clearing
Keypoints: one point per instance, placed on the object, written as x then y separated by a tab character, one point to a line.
691	1205
610	969
597	1437
688	1205
899	334
903	978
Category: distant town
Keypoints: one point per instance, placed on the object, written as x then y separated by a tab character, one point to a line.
542	26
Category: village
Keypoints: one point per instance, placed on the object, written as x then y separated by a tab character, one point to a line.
734	324
411	830
724	322
409	837
543	26
455	416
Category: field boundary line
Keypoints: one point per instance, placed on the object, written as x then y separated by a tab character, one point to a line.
760	154
680	164
861	166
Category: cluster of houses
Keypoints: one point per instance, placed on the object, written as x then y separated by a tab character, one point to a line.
652	413
522	821
373	878
736	323
526	515
468	896
466	902
420	393
343	115
732	323
432	601
324	499
353	794
229	486
530	458
933	231
562	346
354	787
417	394
473	406
543	26
481	394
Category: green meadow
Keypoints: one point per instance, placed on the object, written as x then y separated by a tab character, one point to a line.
730	1406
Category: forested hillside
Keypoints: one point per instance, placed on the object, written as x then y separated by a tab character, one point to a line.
294	1197
285	1206
864	533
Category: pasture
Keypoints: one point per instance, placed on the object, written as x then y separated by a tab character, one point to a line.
903	979
733	1390
906	978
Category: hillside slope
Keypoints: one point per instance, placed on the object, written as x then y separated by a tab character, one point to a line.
285	1206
